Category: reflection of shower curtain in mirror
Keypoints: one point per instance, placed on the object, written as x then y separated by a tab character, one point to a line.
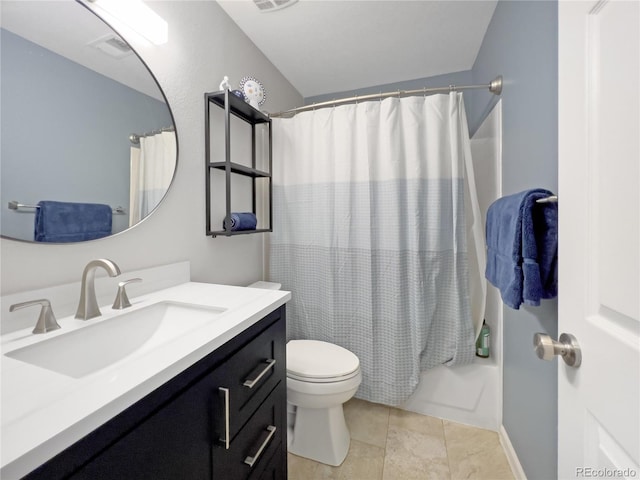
152	167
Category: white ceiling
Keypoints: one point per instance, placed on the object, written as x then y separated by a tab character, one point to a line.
320	46
327	46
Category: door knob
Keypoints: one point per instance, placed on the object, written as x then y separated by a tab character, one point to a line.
567	347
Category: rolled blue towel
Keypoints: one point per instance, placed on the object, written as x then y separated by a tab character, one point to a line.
242	221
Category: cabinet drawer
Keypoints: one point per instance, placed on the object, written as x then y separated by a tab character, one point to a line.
275	469
253	448
244	380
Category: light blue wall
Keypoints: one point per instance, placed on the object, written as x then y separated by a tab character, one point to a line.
65	132
522	45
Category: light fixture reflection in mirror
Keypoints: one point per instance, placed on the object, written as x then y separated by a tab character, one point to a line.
133	15
70	101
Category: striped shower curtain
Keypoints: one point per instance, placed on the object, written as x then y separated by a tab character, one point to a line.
369	235
152	165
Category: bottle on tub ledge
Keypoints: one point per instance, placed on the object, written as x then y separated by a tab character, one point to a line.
484	341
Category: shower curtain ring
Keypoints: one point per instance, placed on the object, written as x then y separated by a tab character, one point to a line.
424	92
452	88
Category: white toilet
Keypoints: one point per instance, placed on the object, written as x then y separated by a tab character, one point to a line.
321	377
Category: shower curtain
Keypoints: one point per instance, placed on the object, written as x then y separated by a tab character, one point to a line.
369	235
152	167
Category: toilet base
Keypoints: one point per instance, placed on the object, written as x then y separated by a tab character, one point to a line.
321	434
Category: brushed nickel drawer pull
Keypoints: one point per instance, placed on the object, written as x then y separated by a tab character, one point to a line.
225	439
252	460
252	381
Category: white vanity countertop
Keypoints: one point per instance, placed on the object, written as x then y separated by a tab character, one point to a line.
44	412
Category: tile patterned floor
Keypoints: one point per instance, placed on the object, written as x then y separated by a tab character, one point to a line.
392	444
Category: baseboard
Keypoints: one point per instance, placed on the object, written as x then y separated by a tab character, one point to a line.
510	452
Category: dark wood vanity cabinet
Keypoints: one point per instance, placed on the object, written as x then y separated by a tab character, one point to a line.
210	422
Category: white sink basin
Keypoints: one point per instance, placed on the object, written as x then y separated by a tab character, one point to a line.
94	347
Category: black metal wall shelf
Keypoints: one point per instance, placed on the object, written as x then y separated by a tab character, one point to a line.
238	107
240	169
233	105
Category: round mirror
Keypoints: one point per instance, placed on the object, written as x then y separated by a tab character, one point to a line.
88	142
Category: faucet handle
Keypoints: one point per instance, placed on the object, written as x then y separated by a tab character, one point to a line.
122	301
46	319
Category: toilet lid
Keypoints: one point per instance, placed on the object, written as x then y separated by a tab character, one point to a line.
316	359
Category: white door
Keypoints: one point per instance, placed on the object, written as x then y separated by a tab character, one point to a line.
599	240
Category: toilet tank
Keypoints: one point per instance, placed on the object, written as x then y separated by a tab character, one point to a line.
266	285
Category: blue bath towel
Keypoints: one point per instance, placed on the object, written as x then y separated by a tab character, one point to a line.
242	221
522	248
62	222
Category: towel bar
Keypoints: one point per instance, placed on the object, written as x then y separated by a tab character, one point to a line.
13	205
549	199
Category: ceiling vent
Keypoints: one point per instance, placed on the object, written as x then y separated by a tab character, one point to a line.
266	6
112	45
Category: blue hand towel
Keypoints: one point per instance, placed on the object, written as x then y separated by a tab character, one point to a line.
242	221
63	222
522	246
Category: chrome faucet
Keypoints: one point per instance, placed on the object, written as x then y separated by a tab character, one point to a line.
122	300
88	306
46	320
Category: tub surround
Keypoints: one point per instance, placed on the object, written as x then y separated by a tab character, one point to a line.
44	412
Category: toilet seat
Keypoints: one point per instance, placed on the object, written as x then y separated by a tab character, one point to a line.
320	362
341	378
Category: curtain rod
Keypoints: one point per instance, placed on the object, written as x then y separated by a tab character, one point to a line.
135	137
495	87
